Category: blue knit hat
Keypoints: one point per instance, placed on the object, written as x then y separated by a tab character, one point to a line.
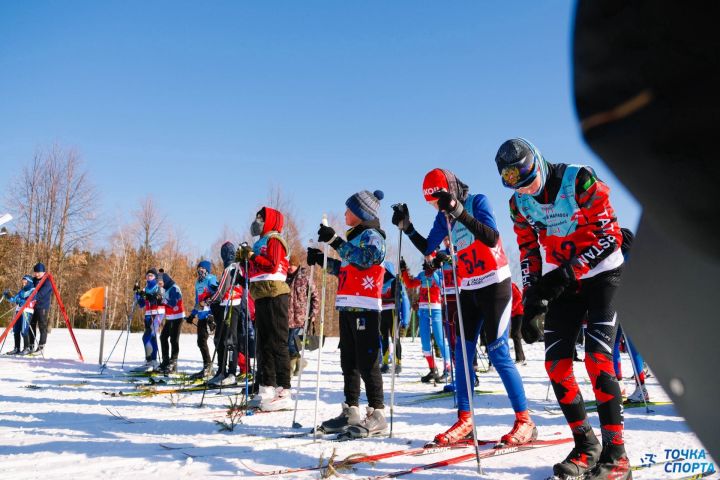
39	267
206	265
365	205
28	278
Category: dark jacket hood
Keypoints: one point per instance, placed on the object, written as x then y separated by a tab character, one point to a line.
227	253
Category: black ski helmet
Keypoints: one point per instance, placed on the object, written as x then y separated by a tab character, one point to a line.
517	163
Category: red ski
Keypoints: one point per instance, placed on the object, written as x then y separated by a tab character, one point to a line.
495	452
426	450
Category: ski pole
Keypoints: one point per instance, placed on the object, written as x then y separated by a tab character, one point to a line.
223	332
11	310
398	297
227	323
478	353
547	394
295	424
635	370
322	327
122	332
470	389
205	378
129	322
432	332
246	293
448	334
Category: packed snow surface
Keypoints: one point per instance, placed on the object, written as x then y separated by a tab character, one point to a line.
57	422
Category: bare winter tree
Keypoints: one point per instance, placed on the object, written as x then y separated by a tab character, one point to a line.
54	202
149	231
291	231
55	205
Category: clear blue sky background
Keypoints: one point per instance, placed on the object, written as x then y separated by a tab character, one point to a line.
206	105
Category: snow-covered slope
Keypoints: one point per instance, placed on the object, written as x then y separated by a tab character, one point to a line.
56	422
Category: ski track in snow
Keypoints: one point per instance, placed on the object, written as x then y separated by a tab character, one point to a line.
66	430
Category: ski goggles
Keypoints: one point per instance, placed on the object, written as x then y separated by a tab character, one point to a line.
520	174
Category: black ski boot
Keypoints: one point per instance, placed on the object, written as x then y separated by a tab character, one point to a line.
170	367
203	374
431	376
162	368
613	464
582	457
14	351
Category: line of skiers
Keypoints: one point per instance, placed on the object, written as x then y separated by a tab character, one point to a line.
559	209
34	316
566	210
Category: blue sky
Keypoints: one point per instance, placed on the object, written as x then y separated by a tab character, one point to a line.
207	105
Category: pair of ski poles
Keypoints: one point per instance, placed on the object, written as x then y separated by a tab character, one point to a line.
224	325
402	209
127	331
321	328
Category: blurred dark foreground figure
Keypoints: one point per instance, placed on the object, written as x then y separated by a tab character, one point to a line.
646	75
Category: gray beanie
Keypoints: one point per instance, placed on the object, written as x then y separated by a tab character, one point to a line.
365	205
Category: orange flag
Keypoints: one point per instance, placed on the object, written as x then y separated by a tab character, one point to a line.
93	299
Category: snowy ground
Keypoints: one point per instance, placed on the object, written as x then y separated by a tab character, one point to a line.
62	426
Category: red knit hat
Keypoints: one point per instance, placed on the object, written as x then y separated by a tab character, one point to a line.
435	180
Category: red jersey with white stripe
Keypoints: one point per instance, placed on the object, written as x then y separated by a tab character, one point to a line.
360	288
173	313
429	295
478	265
572	219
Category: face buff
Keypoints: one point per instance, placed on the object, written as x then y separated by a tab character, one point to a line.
256	228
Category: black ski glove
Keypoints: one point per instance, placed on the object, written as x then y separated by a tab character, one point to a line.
315	257
553	284
327	234
532	323
448	203
401	217
245	252
439	259
190	318
535	309
403	265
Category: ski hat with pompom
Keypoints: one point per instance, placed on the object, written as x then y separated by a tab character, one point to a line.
365	205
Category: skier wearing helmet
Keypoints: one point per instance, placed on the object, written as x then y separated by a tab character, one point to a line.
566	209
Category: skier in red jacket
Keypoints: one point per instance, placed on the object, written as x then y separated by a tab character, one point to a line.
566	209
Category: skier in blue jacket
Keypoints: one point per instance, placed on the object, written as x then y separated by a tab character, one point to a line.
150	298
22	325
42	306
205	286
389	309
